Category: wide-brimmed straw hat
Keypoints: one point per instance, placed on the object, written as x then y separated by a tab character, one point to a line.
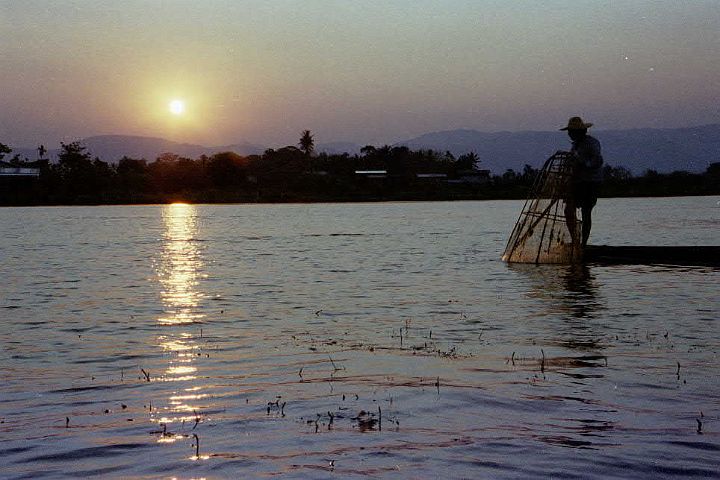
576	123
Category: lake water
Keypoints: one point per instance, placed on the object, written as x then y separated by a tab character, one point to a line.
352	341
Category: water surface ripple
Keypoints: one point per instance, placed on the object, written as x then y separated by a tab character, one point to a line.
352	341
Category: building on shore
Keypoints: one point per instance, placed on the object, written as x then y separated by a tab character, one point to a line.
10	170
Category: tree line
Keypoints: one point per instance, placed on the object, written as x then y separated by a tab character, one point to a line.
297	174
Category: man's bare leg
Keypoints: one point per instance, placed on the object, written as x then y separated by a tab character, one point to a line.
571	219
586	224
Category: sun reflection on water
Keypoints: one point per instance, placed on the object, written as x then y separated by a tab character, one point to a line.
179	271
180	265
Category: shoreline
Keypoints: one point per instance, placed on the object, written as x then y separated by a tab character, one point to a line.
184	199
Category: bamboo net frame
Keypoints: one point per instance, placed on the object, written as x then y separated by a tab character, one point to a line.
541	233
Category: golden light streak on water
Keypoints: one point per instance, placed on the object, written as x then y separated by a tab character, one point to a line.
188	397
177	346
181	370
179	265
180	407
178	272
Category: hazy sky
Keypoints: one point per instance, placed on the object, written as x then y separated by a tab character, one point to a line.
360	71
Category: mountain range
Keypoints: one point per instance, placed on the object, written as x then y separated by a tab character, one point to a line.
665	150
112	148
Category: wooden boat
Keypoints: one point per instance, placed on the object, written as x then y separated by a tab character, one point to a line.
648	255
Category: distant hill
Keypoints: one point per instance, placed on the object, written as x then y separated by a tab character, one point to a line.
112	148
665	150
333	148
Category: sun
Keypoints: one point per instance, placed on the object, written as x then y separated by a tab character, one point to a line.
177	107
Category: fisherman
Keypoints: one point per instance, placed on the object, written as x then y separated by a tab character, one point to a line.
586	176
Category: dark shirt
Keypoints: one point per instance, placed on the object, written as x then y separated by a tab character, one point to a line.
589	160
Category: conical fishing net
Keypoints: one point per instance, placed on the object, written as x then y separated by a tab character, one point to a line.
542	233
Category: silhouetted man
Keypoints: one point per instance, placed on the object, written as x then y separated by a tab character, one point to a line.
586	176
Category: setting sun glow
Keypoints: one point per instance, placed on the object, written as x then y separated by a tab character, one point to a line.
177	107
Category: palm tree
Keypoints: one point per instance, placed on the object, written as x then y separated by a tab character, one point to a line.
4	149
307	144
468	161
